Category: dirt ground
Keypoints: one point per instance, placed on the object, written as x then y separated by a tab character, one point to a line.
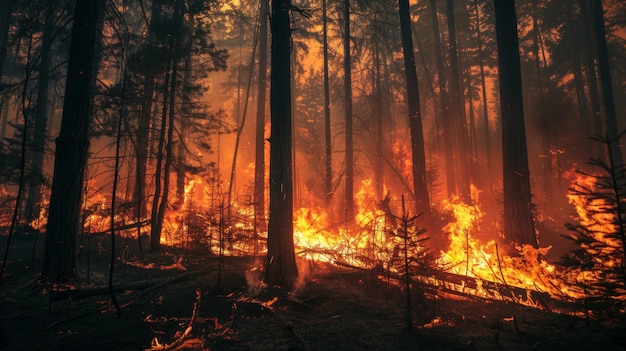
182	300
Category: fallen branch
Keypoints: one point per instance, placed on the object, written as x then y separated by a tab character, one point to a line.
127	302
156	345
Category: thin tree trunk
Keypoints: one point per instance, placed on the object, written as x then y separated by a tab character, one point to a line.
458	111
518	220
159	204
145	117
378	118
182	132
38	144
422	198
444	104
347	70
259	147
281	269
328	179
59	261
608	101
590	68
483	83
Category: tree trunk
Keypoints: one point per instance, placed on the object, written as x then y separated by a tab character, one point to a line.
40	125
259	147
518	220
377	111
483	83
5	20
347	71
143	127
281	269
72	145
328	176
162	174
422	198
608	101
444	103
590	68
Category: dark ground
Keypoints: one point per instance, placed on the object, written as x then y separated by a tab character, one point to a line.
334	309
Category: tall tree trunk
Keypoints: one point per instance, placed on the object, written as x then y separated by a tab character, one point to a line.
608	101
281	269
159	204
5	21
445	102
518	220
143	127
347	71
487	129
40	125
379	179
590	68
458	111
72	146
6	11
181	152
259	147
422	198
328	176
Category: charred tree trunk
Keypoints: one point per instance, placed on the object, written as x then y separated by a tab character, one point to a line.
444	103
487	129
281	269
608	100
379	179
40	125
458	112
5	17
72	146
347	70
422	198
590	68
143	127
259	147
159	204
328	175
518	220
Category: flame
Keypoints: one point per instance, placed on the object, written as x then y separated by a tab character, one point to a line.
468	256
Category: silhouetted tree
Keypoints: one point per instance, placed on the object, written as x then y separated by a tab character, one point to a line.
259	147
72	146
518	219
422	197
281	269
347	71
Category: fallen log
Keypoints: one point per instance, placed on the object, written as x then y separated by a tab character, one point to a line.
61	294
123	227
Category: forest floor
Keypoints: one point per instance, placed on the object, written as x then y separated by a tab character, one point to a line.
183	301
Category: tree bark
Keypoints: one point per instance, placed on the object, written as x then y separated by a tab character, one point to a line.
422	198
259	147
281	269
458	112
347	71
518	220
608	100
445	102
40	125
72	145
143	127
328	176
483	83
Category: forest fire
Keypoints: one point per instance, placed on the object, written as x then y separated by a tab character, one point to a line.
313	174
